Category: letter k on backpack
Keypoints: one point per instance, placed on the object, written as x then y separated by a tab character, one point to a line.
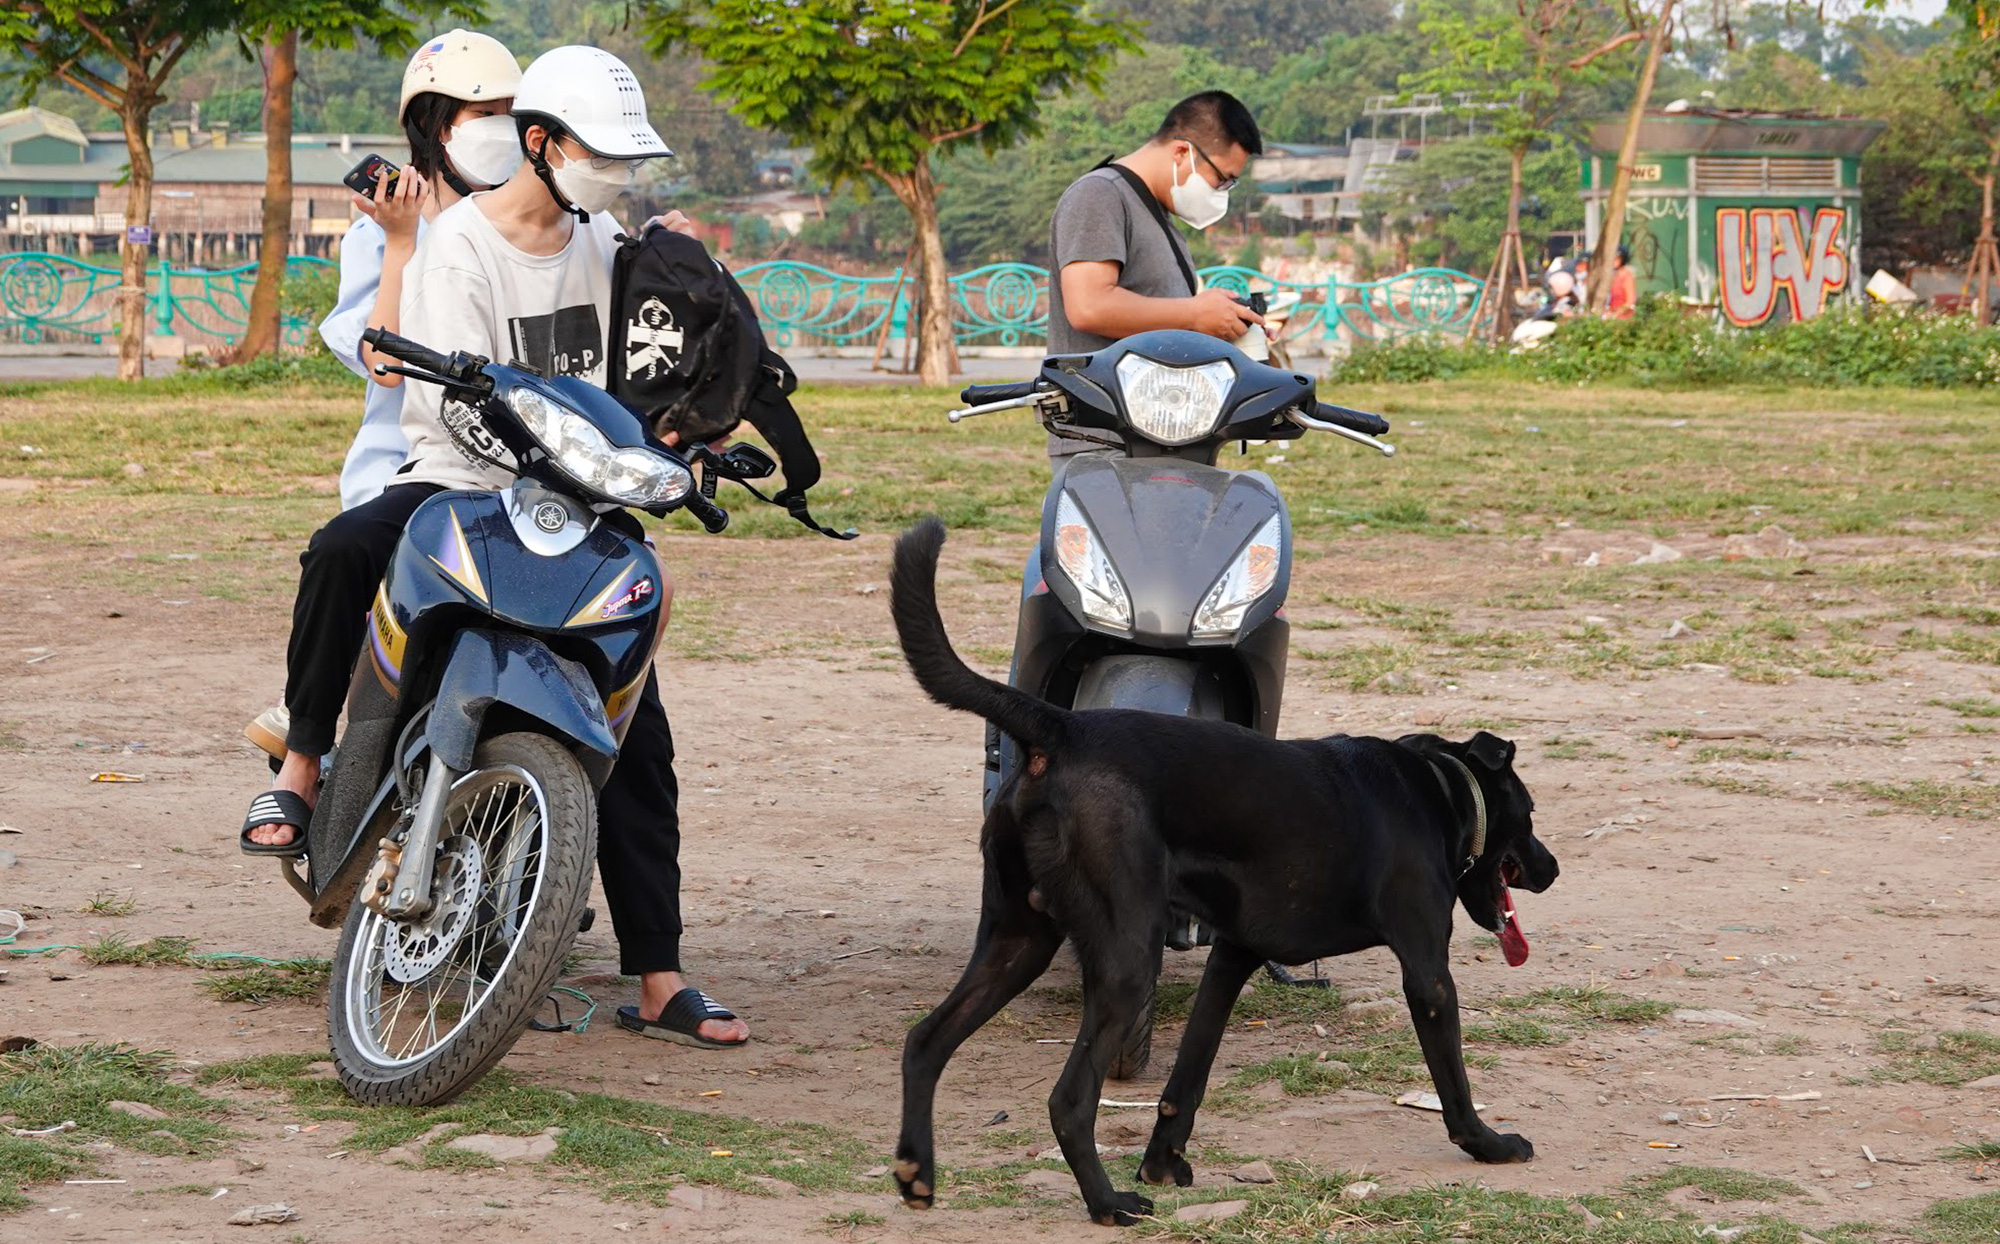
686	351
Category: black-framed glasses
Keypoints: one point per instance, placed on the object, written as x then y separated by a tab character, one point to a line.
1227	182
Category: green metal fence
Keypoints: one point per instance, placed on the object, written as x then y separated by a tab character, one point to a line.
58	299
47	298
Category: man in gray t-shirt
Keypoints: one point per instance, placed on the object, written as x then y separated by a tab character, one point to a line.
1119	267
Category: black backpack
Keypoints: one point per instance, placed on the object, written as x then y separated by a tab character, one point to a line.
686	351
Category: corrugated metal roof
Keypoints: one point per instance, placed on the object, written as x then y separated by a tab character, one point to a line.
317	159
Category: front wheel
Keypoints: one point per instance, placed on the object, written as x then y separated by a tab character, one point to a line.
418	1010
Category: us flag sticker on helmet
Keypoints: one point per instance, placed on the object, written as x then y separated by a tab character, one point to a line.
424	56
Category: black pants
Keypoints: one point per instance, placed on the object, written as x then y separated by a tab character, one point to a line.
638	811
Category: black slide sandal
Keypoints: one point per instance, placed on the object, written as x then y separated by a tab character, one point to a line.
680	1020
277	807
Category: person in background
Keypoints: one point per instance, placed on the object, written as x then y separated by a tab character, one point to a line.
1120	267
1624	302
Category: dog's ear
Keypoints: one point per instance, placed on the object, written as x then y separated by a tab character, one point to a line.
1491	750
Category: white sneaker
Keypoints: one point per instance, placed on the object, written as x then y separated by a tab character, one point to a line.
269	729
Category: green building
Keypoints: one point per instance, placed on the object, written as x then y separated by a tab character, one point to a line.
1755	214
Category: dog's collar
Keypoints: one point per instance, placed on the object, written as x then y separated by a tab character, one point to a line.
1478	810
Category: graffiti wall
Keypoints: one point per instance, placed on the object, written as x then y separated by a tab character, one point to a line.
1657	229
1771	261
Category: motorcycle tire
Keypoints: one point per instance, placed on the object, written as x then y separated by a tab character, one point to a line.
505	882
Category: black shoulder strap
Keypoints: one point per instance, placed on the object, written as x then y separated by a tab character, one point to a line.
1145	194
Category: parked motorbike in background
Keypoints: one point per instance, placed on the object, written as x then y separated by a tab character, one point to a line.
1159	579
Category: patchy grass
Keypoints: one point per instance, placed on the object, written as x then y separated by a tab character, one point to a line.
1588	1003
119	950
1974	1220
109	903
633	1150
1970	706
1962	800
1380	1062
1514	1030
298	980
1720	1182
43	1086
1732	785
1954	1058
1983	1151
1715	755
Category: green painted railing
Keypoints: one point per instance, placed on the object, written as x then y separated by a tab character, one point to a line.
55	298
803	305
47	298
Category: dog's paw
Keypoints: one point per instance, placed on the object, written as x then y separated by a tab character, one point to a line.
1500	1148
1126	1208
1172	1169
913	1181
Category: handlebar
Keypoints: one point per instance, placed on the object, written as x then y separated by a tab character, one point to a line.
984	394
1353	420
398	347
712	517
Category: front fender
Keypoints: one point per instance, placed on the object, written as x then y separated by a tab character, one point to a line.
497	667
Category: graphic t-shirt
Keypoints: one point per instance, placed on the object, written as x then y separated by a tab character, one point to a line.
468	288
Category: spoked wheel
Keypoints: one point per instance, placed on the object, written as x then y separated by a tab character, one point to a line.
420	1009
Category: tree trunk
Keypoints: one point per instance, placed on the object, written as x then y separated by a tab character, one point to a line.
1510	265
1621	182
135	116
917	191
281	70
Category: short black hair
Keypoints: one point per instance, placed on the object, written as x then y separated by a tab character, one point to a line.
1212	119
425	120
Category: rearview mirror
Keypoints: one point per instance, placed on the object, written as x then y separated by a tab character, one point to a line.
743	461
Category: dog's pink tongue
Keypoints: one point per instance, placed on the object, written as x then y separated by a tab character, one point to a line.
1513	942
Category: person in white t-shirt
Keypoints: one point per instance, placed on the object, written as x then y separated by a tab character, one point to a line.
521	273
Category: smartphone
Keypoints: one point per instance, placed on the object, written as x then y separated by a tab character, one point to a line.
361	178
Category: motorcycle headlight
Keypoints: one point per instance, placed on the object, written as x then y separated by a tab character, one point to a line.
630	476
1173	405
1082	557
1248	577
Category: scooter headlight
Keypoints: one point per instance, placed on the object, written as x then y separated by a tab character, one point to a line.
1173	405
1248	578
1082	557
629	476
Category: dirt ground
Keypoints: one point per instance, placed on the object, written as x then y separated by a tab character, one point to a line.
832	889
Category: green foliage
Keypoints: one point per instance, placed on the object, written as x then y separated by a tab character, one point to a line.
876	88
1453	202
1847	346
1256	33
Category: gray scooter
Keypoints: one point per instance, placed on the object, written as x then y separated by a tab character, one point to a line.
1159	580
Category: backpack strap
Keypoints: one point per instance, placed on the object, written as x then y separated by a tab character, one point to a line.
1159	215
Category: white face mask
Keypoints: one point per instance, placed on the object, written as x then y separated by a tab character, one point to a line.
1194	200
592	189
484	150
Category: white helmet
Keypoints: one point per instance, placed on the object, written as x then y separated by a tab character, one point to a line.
460	64
592	96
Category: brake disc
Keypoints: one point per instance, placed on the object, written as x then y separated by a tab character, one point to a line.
414	949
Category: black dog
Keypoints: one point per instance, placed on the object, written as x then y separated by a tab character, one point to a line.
1290	850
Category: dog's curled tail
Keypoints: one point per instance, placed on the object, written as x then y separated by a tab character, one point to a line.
939	669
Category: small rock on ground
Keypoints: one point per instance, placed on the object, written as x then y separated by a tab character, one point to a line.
1360	1190
1254	1173
263	1215
1212	1211
510	1148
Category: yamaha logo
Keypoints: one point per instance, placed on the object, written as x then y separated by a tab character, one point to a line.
551	516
